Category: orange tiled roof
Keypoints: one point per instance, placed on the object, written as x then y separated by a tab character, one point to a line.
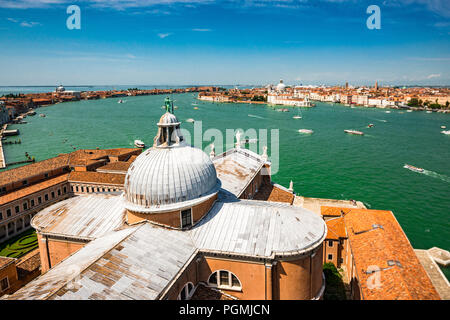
23	192
22	173
333	211
375	248
116	166
4	261
336	228
269	192
97	177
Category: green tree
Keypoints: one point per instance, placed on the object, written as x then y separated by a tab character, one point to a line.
334	286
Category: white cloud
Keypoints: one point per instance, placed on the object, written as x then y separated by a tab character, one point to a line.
164	35
434	75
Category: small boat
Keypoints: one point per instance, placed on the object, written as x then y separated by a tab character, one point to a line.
408	110
446	132
296	117
443	127
388	111
120	101
139	143
412	168
190	120
429	111
370	125
195	104
305	131
42	115
195	108
354	132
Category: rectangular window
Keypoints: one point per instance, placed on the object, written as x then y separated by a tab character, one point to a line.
53	194
24	182
8	212
32	203
186	218
330	257
46	175
59	192
82	189
64	190
17	209
224	280
1	216
330	243
39	200
4	284
46	197
25	206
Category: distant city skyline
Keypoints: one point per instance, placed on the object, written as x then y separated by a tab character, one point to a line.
205	42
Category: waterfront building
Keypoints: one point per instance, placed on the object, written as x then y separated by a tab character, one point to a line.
26	190
376	255
4	115
280	96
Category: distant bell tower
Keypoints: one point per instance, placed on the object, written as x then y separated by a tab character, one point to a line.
376	85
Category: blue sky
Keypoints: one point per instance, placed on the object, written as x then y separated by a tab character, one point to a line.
224	42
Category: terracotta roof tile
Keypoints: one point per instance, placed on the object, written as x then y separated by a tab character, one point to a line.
336	228
269	192
23	192
97	177
333	211
21	173
375	247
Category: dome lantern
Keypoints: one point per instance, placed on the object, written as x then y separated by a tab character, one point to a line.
171	175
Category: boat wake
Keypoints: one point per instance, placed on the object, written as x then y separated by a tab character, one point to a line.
253	116
436	175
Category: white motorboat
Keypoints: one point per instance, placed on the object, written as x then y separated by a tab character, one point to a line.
190	120
305	131
412	168
446	132
139	143
360	133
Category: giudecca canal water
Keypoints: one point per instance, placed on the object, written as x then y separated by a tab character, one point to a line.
328	163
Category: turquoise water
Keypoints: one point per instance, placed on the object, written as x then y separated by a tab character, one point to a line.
328	163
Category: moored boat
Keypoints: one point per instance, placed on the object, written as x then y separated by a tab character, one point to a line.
370	125
42	115
360	133
446	132
139	143
305	131
412	168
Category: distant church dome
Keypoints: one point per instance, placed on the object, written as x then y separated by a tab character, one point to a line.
171	174
281	86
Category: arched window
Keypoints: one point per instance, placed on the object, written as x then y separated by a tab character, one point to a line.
186	292
225	280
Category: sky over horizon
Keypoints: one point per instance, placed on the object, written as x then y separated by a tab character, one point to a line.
177	42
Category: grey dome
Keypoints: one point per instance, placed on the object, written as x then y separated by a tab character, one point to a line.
166	176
